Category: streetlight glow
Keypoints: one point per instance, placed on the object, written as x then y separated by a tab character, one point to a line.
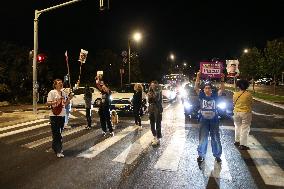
245	50
137	36
172	56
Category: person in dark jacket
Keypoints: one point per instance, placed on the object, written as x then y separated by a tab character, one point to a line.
155	110
104	110
137	103
88	105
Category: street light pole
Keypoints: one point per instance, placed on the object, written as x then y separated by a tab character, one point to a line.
37	14
129	61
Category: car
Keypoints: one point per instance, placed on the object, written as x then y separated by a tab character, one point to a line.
225	106
169	94
78	99
264	81
191	103
121	101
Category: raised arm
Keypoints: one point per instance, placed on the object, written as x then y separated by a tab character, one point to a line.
197	83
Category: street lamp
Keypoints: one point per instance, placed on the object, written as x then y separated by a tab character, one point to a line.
246	50
137	36
35	51
172	56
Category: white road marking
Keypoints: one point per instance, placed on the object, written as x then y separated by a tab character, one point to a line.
170	158
23	130
22	124
133	151
42	141
100	147
269	170
214	169
82	112
276	116
280	140
267	130
167	106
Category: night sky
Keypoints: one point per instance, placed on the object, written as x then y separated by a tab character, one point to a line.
193	30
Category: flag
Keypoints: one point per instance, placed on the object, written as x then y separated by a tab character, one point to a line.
66	56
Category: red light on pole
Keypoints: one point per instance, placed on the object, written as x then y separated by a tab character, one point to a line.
40	58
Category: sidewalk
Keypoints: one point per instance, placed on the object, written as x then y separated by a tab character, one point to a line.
14	114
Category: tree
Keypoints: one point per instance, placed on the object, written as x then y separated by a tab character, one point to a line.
274	55
15	71
252	64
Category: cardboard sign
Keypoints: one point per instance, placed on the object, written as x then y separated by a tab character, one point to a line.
211	69
83	56
100	73
232	68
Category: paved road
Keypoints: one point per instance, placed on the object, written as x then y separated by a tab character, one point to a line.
127	160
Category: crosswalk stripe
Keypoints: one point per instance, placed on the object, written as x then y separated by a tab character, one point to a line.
280	140
23	130
269	170
82	112
42	141
170	159
22	124
267	130
130	154
215	169
100	147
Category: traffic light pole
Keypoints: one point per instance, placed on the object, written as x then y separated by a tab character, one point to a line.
37	14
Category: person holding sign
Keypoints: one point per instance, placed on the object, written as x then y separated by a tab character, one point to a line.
57	100
209	122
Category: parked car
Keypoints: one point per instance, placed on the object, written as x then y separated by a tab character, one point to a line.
264	81
78	99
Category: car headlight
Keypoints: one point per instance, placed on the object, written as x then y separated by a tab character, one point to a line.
222	105
187	105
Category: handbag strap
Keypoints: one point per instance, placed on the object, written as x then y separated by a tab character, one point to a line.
239	97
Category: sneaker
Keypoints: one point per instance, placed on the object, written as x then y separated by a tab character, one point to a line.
60	155
67	126
243	147
140	127
111	134
200	159
88	128
158	141
154	142
236	143
104	133
218	159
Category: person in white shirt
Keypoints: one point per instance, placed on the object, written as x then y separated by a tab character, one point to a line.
57	99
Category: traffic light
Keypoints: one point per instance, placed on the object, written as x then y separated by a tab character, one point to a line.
41	58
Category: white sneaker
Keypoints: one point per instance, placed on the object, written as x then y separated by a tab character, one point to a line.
104	133
158	141
111	134
67	126
154	142
60	155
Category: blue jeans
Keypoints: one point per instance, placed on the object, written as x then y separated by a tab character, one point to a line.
67	108
212	126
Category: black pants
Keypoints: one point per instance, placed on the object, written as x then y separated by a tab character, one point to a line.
105	119
137	116
57	124
88	116
155	121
